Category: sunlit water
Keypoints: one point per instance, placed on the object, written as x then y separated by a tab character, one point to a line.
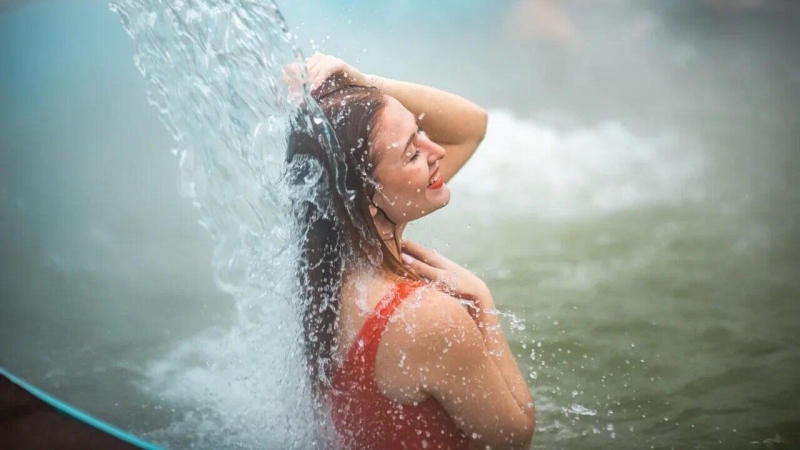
633	208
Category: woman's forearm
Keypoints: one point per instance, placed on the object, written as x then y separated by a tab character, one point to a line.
451	121
498	347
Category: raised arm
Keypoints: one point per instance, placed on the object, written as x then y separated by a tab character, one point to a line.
455	123
451	121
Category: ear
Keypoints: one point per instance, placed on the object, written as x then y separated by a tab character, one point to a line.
373	210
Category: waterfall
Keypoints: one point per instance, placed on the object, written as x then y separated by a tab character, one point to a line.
220	74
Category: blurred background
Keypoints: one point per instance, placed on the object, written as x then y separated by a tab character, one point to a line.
634	208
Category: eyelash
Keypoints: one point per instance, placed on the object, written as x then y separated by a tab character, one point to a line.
416	154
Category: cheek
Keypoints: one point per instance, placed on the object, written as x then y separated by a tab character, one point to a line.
417	182
408	186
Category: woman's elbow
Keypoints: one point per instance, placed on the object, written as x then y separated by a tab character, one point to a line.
522	438
517	438
523	435
483	121
527	433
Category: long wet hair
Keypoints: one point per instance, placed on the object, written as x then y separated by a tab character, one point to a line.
337	229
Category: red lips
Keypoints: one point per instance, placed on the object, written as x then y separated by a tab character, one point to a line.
439	181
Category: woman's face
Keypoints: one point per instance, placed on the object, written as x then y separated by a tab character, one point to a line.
407	171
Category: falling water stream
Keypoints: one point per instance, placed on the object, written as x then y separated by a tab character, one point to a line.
633	208
220	73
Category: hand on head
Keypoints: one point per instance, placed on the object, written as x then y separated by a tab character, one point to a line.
321	66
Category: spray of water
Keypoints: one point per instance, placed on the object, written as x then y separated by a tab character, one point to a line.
217	74
230	85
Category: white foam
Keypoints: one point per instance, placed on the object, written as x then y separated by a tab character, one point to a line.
243	388
533	169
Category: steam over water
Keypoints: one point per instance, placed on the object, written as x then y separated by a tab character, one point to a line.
633	208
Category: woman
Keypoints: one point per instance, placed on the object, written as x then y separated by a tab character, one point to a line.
403	344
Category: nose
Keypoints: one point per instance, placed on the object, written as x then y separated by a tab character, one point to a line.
435	152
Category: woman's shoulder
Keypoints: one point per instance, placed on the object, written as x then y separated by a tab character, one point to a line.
427	324
437	310
428	319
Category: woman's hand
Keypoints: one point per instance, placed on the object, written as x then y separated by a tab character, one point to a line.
320	66
452	278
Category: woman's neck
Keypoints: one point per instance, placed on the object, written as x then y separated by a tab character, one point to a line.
357	276
391	236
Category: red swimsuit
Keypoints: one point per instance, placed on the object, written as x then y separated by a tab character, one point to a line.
366	419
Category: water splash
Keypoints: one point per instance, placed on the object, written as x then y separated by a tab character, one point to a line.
214	71
223	75
580	410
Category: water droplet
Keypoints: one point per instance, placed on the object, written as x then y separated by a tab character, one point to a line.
581	410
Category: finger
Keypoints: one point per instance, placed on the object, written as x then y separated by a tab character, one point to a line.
311	63
421	268
293	80
318	82
314	77
319	60
423	253
312	72
315	57
323	72
292	69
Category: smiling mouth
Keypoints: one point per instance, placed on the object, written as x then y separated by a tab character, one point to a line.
436	181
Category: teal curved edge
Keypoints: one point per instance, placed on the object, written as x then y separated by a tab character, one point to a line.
78	414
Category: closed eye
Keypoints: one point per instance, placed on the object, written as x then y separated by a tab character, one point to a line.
420	131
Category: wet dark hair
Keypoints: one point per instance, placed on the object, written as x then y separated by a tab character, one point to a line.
337	230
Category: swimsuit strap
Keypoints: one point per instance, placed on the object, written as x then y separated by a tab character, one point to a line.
375	324
386	307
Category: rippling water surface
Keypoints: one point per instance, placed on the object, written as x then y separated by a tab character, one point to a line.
633	207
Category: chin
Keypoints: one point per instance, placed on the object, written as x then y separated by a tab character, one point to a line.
446	200
441	202
445	197
436	202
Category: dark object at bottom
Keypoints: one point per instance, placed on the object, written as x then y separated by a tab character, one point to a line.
31	419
